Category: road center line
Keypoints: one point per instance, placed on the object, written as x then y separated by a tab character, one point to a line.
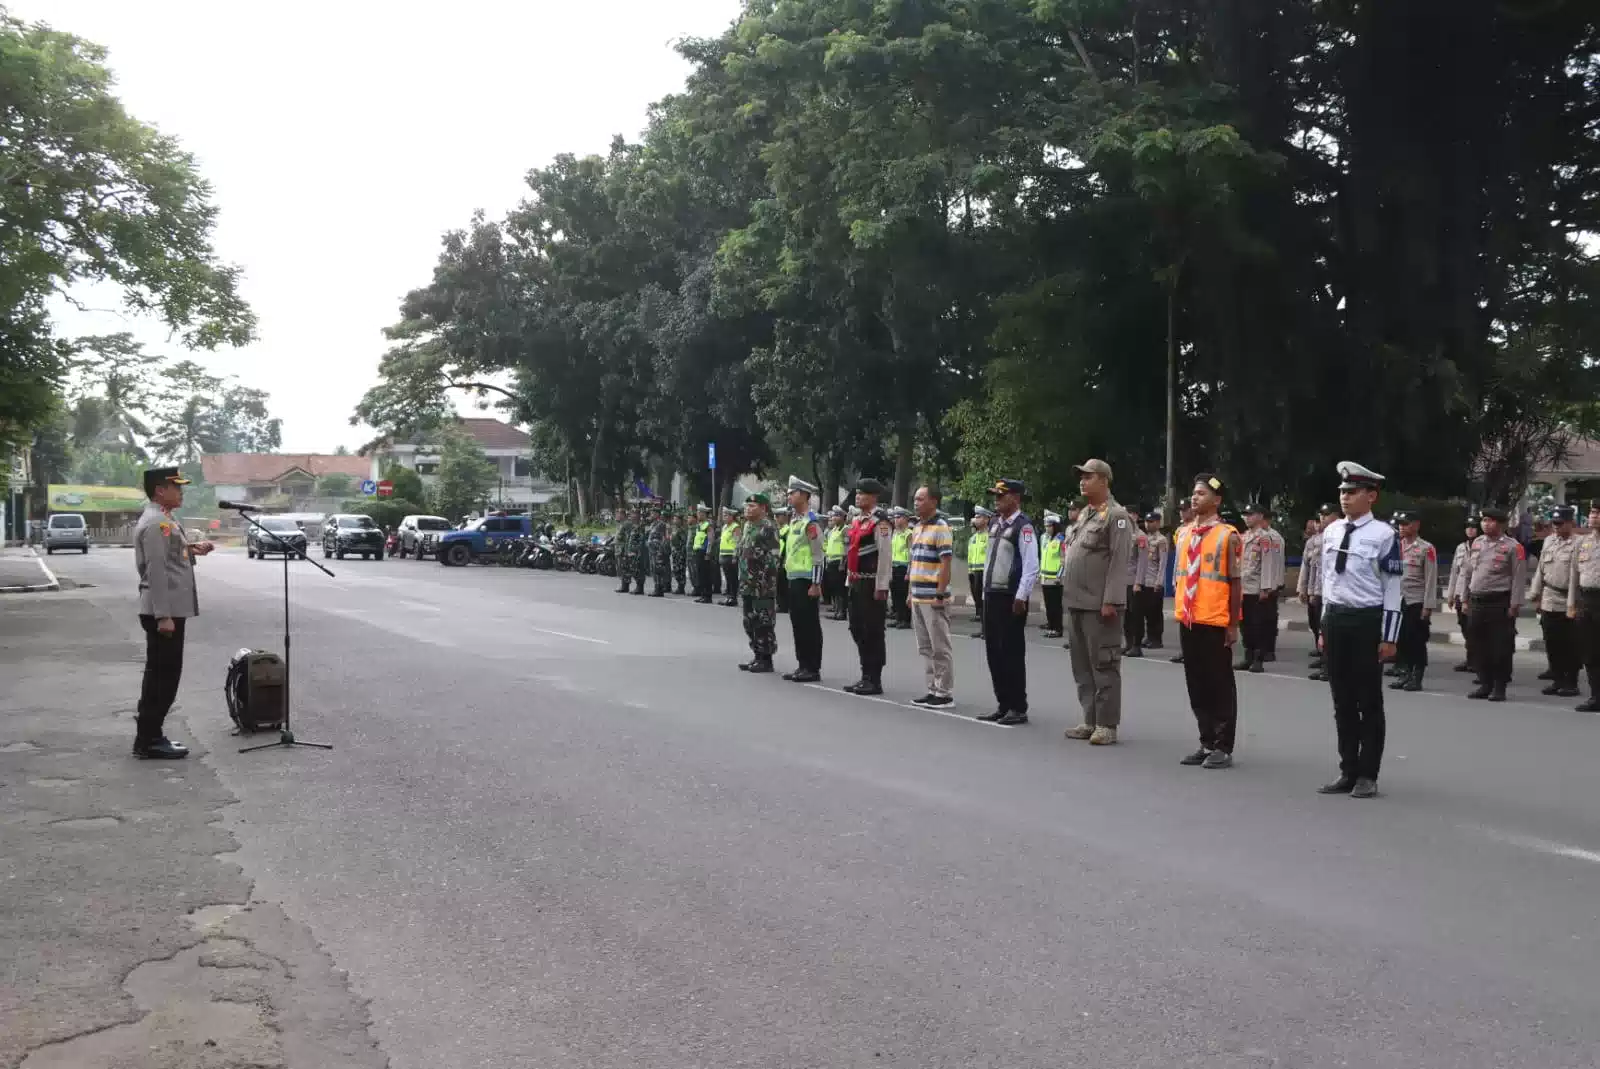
566	634
907	705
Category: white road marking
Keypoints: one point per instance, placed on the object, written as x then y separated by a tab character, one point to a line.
1544	846
565	634
965	719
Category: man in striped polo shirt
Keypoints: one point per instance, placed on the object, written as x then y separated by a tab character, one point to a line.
931	553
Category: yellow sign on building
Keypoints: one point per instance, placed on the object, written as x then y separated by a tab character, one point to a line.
67	497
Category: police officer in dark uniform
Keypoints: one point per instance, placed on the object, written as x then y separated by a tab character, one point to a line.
167	601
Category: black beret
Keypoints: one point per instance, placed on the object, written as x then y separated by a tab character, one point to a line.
869	485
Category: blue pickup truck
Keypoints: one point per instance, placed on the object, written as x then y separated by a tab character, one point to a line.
481	538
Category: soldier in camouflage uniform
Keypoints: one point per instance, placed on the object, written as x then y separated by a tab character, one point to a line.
680	551
660	541
759	571
624	549
639	551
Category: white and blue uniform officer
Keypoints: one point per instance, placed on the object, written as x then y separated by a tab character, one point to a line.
1362	571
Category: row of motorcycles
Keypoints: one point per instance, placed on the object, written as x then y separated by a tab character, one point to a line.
560	551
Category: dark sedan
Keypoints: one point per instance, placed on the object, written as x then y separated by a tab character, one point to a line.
352	534
281	537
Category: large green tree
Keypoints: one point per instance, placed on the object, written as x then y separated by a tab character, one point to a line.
88	194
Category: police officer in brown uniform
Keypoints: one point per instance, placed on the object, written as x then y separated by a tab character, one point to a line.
1309	584
1495	588
1583	608
1455	591
1551	594
1419	597
1094	580
1150	585
164	559
1262	573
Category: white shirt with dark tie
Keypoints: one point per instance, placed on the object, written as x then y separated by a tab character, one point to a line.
1362	569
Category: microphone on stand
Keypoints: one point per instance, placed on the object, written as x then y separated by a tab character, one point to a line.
238	505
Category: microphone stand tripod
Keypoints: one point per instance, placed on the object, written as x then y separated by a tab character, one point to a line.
285	734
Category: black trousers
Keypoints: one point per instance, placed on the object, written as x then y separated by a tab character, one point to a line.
1005	639
867	615
1052	607
163	668
805	617
1561	647
900	593
833	591
1213	692
975	588
1470	640
697	572
730	575
1314	619
1144	612
783	596
1130	621
1350	639
1495	635
1411	652
1588	636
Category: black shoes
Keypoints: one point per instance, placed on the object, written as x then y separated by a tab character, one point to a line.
659	594
1547	674
1244	665
1590	706
760	666
1498	694
1218	759
851	688
1342	785
994	717
1133	651
1176	659
804	675
160	748
1154	646
1364	788
1256	667
639	593
1318	676
1464	666
1482	692
1013	719
1052	634
730	603
869	687
1413	682
703	601
1392	670
934	701
1196	758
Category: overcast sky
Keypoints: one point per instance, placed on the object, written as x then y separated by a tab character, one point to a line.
344	137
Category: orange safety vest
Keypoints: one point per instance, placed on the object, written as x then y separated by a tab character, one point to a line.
1215	567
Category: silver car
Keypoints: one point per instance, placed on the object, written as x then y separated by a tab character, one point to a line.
66	530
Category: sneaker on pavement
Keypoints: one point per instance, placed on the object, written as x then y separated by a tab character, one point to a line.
1082	731
1364	788
1218	759
989	718
1103	737
1196	758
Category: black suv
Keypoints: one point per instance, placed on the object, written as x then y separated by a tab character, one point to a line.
351	534
281	536
419	536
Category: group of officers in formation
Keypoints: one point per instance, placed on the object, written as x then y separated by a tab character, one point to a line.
1370	589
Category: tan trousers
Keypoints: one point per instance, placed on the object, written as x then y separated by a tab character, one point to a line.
1097	665
932	624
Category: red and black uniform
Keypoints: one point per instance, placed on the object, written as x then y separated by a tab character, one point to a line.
869	567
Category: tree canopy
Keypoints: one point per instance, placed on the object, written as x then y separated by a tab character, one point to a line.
89	194
963	238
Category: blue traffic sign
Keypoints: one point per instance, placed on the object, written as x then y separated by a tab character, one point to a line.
369	487
711	455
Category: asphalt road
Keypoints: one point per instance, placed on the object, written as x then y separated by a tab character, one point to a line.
560	829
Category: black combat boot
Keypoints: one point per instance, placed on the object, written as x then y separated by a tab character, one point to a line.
872	684
1401	679
1413	681
760	666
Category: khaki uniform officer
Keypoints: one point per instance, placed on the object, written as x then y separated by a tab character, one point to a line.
1094	581
167	600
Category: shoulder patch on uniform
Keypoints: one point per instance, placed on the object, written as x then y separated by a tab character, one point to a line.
1122	523
1431	554
1522	554
166	528
1027	534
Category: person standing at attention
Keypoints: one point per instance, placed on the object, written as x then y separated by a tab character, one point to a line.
1008	580
899	581
868	563
1495	589
1051	547
164	559
802	574
1150	585
1209	602
1094	581
932	553
977	557
1361	574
